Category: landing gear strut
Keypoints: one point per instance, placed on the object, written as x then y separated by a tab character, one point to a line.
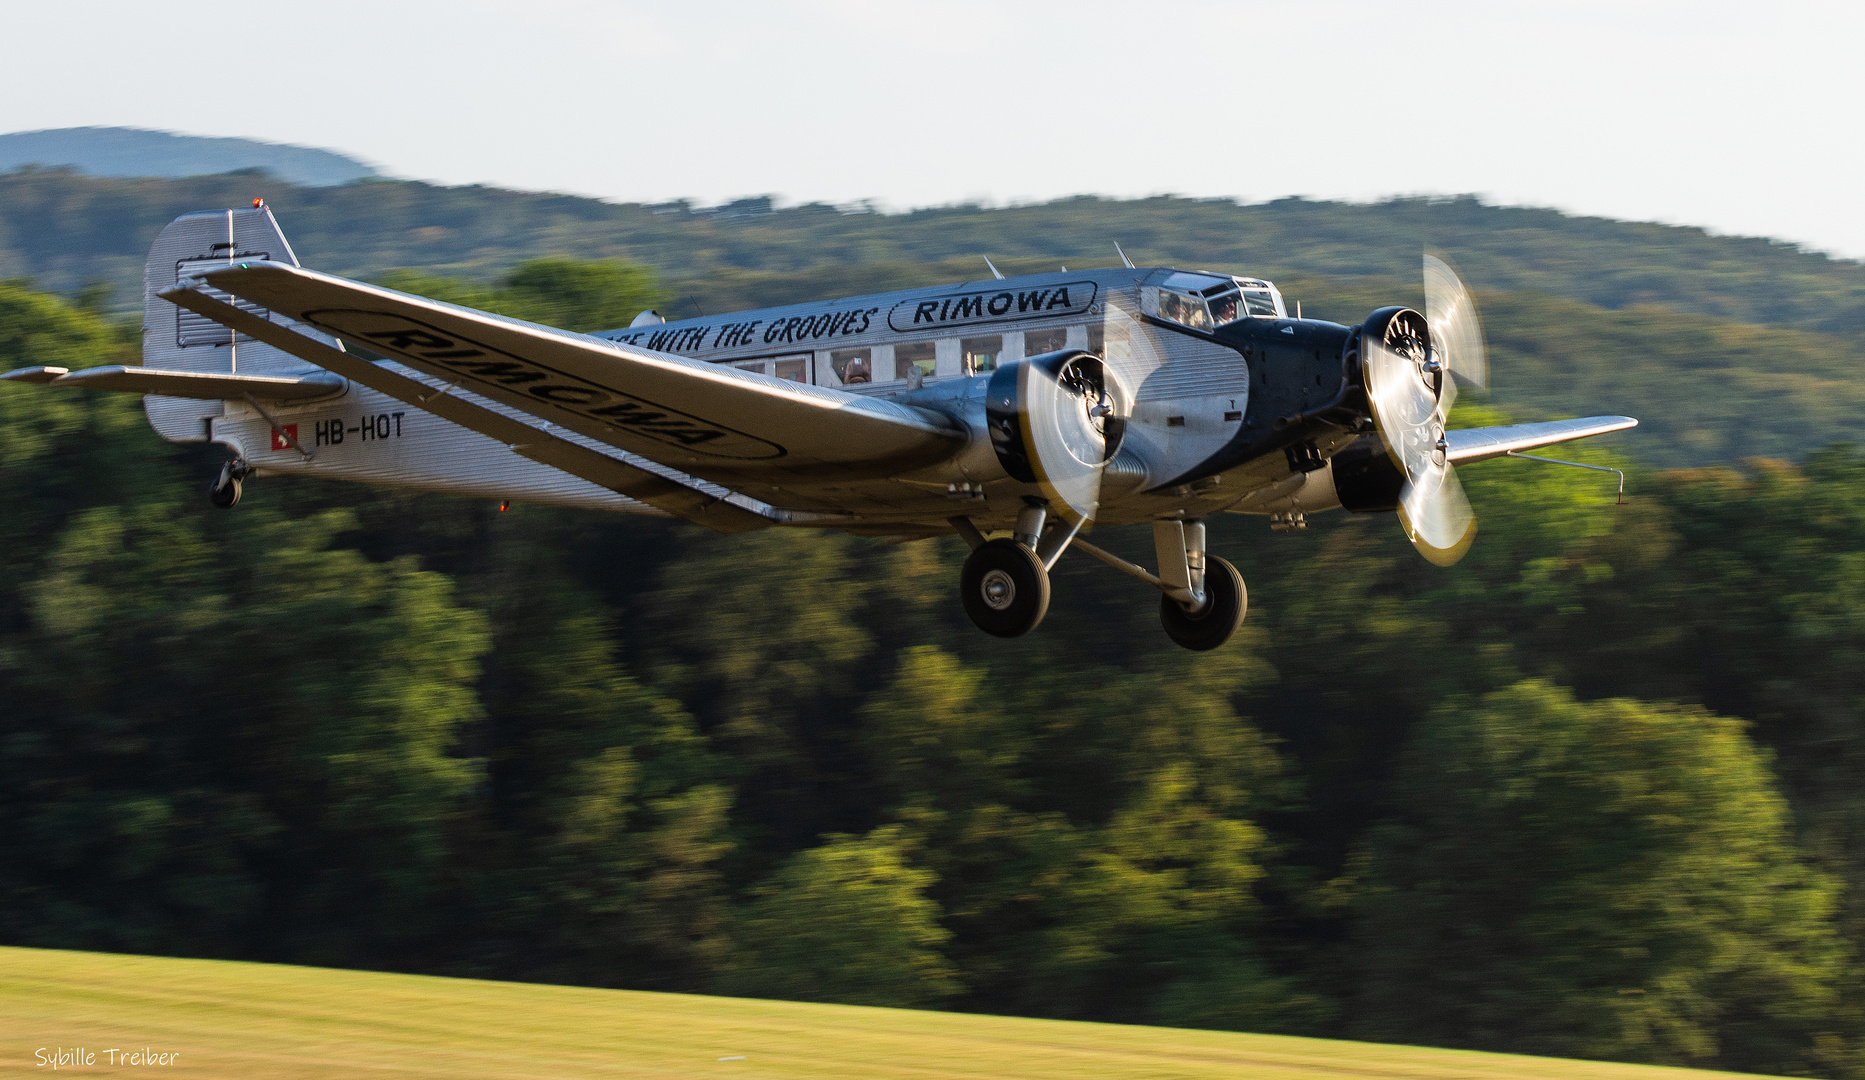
1005	583
224	492
1204	599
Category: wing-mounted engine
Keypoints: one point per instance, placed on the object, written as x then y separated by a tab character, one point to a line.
1056	420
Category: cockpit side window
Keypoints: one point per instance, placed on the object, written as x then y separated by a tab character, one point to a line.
1260	302
1184	310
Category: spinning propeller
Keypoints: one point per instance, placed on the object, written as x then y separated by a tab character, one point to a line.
1412	365
1056	420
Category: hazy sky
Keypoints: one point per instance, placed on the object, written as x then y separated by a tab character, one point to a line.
1741	117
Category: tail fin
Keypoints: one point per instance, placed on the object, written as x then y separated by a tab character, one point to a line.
179	340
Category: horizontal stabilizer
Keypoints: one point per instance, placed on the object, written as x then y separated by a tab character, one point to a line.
202	385
1466	445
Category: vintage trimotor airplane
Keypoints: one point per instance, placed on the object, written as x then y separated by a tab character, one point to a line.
1033	406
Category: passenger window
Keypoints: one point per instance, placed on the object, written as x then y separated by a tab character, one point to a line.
762	367
913	354
794	368
854	367
1037	342
981	353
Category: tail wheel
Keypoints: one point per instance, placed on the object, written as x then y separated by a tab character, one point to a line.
224	492
1004	588
1225	602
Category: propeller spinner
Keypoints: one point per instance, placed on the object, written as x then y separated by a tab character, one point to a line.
1413	363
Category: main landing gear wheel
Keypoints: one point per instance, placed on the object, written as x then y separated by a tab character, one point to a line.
1005	588
1225	601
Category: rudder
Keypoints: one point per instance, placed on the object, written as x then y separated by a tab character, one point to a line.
181	340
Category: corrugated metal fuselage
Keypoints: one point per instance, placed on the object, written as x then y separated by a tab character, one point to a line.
1199	397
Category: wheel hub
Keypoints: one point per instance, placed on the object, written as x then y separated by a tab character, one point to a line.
999	590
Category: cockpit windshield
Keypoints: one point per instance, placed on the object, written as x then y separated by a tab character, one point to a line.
1203	301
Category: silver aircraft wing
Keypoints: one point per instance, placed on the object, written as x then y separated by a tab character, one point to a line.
698	502
1466	445
710	421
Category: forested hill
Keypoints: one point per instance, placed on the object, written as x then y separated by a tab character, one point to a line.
1725	348
61	230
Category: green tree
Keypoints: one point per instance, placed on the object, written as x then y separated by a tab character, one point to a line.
570	294
587	296
848	921
607	812
761	637
255	737
1094	840
1609	879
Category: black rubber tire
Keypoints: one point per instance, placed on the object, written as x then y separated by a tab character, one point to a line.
225	496
1225	602
1004	588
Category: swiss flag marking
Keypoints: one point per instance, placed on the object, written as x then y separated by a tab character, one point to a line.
282	439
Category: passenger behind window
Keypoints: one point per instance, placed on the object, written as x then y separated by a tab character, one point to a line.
912	355
1037	342
852	366
981	353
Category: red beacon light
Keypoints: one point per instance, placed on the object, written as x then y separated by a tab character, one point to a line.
257	203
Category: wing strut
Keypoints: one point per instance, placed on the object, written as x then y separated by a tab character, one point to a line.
1577	465
278	429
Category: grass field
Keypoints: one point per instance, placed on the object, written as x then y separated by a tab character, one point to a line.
262	1020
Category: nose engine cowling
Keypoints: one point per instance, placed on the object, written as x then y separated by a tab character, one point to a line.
1056	420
